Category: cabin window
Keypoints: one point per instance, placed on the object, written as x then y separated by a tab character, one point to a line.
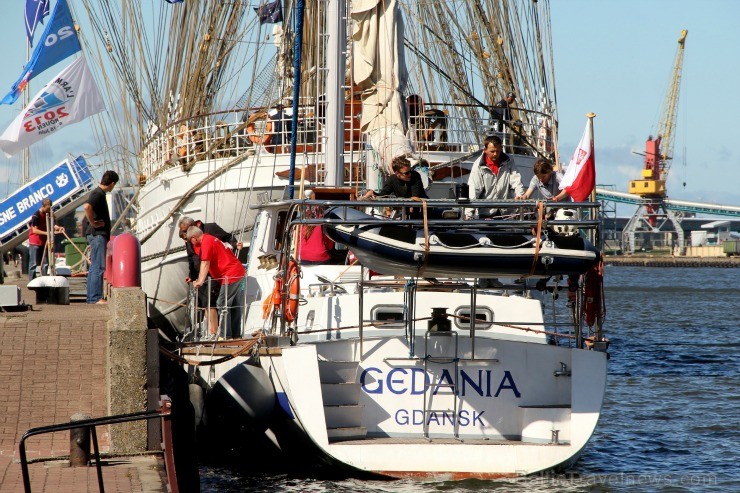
483	316
388	316
282	218
279	228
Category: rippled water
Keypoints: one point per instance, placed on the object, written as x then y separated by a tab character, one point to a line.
671	418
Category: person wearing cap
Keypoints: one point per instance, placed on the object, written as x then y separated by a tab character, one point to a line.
503	107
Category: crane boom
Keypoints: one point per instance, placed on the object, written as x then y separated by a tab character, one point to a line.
657	162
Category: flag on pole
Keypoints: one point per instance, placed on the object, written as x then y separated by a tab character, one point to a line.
70	97
59	42
579	179
270	13
36	10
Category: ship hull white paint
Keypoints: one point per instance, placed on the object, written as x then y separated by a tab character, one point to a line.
224	200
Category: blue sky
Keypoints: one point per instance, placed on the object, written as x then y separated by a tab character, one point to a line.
615	58
612	57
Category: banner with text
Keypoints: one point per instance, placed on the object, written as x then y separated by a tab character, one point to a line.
61	182
69	98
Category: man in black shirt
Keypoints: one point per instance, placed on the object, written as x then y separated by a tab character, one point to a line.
98	234
404	183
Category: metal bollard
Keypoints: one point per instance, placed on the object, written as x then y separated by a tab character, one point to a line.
79	442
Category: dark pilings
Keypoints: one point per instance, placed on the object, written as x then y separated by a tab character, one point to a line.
79	442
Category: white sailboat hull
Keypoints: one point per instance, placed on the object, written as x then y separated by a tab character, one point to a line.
515	416
224	200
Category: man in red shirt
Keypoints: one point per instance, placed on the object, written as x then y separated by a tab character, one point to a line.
224	268
37	238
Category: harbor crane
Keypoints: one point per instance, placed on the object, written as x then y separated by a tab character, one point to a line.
652	214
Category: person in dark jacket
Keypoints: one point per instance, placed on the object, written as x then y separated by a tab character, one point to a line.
206	297
404	183
502	110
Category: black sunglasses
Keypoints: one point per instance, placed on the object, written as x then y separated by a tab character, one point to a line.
404	173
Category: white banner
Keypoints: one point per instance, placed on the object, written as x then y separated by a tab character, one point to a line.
69	98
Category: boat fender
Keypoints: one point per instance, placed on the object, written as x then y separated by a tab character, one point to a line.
196	399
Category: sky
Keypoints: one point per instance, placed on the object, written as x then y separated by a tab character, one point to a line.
615	59
612	57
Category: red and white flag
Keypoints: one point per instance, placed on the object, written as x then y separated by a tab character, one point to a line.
579	179
70	97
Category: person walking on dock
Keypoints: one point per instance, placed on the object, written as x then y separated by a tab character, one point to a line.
98	234
217	261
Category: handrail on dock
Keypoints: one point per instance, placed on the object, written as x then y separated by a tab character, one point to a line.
164	412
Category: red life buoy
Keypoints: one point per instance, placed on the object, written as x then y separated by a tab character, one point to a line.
293	276
292	296
252	133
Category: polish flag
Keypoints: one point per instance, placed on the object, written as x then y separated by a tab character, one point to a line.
579	179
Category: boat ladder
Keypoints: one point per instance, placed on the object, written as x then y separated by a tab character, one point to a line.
430	387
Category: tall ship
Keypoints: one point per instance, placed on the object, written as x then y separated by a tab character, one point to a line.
430	345
201	105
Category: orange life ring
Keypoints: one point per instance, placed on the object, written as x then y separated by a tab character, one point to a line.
183	141
252	133
290	308
275	299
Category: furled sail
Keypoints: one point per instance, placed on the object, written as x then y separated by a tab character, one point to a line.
379	70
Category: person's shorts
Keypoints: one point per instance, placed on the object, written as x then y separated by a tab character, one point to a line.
206	296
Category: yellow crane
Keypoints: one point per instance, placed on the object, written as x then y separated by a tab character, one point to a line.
652	213
657	163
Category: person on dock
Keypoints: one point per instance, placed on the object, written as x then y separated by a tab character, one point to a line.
37	239
493	177
546	181
206	298
98	234
217	261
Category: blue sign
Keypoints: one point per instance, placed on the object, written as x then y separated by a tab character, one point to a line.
62	181
59	41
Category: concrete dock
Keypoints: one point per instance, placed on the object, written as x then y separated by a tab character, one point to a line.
53	365
671	261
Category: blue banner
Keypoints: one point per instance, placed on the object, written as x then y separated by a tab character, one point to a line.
62	181
58	42
36	10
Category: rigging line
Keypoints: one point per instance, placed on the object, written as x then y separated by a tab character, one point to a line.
444	75
192	190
